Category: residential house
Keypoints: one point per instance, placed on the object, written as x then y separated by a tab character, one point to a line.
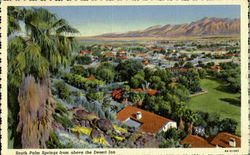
144	120
222	139
225	139
196	142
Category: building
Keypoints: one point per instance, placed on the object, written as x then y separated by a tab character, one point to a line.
222	139
196	142
144	120
225	139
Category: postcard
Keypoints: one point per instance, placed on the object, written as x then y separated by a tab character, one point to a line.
124	77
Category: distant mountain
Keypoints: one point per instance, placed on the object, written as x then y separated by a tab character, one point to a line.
205	26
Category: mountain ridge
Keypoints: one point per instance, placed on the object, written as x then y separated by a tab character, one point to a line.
204	26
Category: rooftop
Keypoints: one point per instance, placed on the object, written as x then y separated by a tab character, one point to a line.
150	122
196	141
222	139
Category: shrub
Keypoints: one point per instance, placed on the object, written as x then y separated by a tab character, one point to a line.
62	90
64	120
54	142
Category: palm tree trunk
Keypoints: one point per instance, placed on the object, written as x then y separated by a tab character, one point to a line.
190	128
181	124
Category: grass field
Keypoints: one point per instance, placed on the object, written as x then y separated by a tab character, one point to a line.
217	100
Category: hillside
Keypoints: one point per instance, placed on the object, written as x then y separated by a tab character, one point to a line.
205	26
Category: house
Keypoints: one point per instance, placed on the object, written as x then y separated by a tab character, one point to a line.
148	91
178	69
225	139
215	68
85	52
144	120
109	54
196	142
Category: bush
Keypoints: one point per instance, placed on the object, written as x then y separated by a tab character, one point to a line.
62	90
80	82
83	59
54	142
64	120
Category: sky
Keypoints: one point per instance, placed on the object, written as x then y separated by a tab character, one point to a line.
96	20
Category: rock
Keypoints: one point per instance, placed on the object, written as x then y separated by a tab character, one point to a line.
83	123
104	125
126	135
74	109
57	126
81	113
109	140
95	133
76	122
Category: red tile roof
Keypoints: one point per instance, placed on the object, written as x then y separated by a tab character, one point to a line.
151	91
151	122
222	140
91	78
109	54
196	141
231	55
85	51
178	68
137	89
215	66
122	57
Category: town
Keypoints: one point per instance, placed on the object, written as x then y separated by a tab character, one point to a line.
123	90
138	94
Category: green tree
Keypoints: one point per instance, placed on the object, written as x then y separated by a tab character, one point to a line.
138	79
189	117
106	75
127	69
13	17
45	49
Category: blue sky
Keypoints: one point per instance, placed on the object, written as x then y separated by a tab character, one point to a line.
95	20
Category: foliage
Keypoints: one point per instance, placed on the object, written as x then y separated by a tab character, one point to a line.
138	79
80	82
36	106
83	59
64	120
81	130
117	94
100	140
119	129
230	74
61	109
54	142
129	66
213	124
80	70
105	75
218	100
63	91
13	16
191	81
119	138
172	138
46	48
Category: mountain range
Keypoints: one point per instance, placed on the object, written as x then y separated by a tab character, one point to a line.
204	26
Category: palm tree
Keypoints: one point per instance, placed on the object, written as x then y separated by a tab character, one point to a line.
189	117
46	47
13	16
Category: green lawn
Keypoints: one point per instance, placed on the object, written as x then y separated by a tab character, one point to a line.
217	100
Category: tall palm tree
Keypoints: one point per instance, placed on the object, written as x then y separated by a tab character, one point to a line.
189	117
46	47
